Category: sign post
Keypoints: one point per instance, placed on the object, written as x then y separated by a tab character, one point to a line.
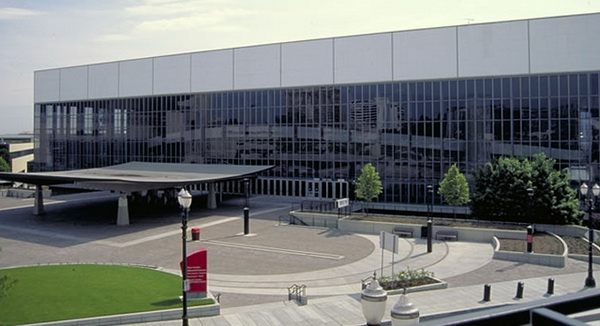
388	241
341	203
196	283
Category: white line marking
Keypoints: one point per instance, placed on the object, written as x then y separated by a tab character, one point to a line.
170	233
122	244
275	250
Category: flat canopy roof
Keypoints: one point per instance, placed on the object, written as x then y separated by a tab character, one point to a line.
138	176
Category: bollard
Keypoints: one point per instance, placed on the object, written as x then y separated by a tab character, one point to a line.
520	287
530	239
550	286
373	302
487	292
246	220
404	312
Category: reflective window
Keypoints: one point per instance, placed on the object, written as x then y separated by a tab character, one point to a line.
411	131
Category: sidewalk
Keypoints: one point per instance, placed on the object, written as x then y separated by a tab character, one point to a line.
346	279
346	309
252	273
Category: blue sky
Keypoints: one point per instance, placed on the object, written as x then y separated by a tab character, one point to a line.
41	34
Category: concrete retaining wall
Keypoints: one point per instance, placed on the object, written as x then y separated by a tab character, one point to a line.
566	230
584	258
464	233
140	317
24	193
317	219
484	235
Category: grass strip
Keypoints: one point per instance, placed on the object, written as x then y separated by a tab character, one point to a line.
60	292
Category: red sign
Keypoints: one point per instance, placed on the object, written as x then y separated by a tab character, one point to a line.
196	271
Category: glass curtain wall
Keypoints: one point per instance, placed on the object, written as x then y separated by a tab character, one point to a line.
320	137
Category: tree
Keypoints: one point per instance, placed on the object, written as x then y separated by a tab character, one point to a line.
4	166
554	201
454	187
368	186
4	153
501	192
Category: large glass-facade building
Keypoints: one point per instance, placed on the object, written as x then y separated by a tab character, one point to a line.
411	103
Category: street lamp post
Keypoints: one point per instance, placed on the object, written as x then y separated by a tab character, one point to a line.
530	203
589	280
429	217
246	208
185	200
529	216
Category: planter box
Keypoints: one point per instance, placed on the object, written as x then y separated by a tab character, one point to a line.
439	284
531	258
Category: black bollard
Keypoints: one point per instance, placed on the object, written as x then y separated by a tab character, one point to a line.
487	292
520	287
246	220
550	286
529	239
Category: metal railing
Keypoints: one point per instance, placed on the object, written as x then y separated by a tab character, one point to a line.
298	293
551	311
365	282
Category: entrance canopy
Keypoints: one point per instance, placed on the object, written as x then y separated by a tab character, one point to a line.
140	176
137	177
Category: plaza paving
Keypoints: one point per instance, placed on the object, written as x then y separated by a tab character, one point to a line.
252	273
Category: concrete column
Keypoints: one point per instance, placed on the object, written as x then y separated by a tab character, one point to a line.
38	206
212	197
123	210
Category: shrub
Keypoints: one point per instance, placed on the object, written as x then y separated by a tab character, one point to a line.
407	278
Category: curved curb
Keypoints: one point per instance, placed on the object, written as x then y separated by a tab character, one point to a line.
139	317
135	317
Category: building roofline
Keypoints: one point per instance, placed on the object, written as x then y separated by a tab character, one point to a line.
323	38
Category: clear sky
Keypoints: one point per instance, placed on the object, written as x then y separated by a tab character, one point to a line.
42	34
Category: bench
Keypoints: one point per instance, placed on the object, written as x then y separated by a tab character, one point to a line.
446	235
403	232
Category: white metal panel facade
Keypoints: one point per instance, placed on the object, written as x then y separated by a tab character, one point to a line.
424	54
46	84
172	74
363	58
307	63
508	48
104	80
565	44
74	83
135	77
493	49
212	71
257	67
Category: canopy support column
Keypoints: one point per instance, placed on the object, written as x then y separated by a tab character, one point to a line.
123	210
38	206
212	197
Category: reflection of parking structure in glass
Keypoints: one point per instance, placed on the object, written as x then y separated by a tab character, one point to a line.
319	137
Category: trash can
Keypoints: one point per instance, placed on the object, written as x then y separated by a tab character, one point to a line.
195	234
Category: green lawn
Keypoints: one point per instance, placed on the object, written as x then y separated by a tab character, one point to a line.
58	292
